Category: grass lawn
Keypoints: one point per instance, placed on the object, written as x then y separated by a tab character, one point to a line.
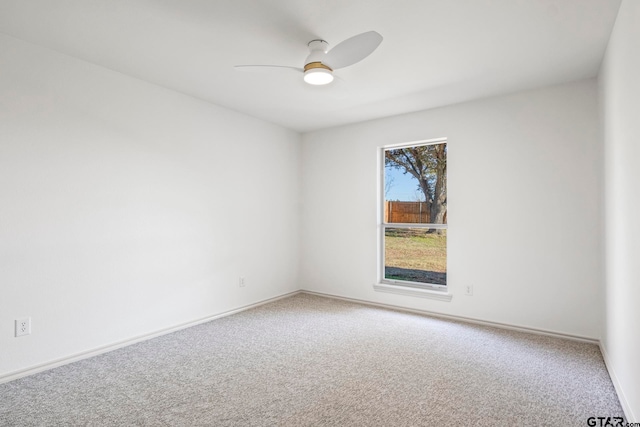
415	250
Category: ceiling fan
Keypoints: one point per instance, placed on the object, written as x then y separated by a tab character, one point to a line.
321	62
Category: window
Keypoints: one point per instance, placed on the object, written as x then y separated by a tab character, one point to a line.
414	215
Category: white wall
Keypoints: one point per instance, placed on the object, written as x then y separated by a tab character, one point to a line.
620	95
126	208
524	197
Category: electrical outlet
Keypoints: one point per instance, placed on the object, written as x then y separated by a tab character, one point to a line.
468	290
23	326
241	281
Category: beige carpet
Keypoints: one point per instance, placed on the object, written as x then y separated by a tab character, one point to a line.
313	361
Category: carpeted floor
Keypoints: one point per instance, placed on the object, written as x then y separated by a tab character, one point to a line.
313	361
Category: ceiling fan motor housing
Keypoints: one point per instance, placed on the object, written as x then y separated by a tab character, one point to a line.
315	71
317	51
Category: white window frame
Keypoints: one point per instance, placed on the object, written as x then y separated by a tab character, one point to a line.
427	290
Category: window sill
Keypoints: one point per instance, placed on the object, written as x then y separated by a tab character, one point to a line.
415	292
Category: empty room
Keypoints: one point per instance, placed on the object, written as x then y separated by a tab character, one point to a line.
329	213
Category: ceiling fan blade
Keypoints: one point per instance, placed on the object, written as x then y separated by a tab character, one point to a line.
352	50
261	68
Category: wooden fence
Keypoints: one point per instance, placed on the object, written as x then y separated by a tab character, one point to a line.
406	212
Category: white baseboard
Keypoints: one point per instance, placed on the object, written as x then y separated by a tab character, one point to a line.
110	347
628	413
461	318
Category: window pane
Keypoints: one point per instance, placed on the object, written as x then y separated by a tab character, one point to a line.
416	255
415	184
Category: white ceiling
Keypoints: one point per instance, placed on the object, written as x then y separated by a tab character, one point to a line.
435	52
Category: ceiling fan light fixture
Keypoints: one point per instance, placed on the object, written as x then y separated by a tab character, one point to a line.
316	73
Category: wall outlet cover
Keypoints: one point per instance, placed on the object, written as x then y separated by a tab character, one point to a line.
23	326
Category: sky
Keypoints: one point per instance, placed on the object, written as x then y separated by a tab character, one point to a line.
403	187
